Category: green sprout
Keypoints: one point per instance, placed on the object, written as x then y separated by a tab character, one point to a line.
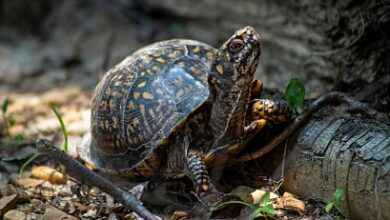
337	197
63	128
4	109
295	92
264	209
64	132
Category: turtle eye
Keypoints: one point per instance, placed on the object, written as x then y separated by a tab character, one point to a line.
236	45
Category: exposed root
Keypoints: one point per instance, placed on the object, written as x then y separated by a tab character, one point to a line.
332	98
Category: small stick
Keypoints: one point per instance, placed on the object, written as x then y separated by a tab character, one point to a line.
328	99
81	173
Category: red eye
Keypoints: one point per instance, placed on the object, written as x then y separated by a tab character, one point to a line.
236	45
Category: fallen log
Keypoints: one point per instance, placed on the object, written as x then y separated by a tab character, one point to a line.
349	152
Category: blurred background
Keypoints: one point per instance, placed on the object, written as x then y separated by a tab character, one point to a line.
55	51
46	43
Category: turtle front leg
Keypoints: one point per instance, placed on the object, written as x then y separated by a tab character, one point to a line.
277	111
196	170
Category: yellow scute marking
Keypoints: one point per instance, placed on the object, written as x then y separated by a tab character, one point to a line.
161	60
142	84
182	64
219	68
136	95
172	55
196	50
195	69
111	104
147	95
135	121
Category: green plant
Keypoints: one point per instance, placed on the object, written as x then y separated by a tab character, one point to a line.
295	92
264	209
6	120
64	133
337	197
63	128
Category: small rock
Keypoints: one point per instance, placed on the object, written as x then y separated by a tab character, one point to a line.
7	203
14	215
244	193
54	213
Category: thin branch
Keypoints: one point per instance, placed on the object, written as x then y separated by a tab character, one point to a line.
83	174
328	99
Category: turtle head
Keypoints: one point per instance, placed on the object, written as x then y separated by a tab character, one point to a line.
241	51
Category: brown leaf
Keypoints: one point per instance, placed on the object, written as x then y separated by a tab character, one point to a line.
289	201
54	213
26	182
178	215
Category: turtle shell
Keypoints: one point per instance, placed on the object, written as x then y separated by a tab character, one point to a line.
142	101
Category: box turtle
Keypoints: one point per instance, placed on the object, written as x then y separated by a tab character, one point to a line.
175	107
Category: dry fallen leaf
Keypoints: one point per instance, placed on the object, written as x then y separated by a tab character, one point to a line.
178	215
48	173
54	213
259	193
289	201
14	215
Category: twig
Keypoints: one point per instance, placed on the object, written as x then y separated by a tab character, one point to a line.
84	175
331	98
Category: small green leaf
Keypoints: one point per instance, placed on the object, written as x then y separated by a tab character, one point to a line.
255	213
265	199
31	159
338	195
5	105
19	138
295	92
329	207
268	210
63	128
